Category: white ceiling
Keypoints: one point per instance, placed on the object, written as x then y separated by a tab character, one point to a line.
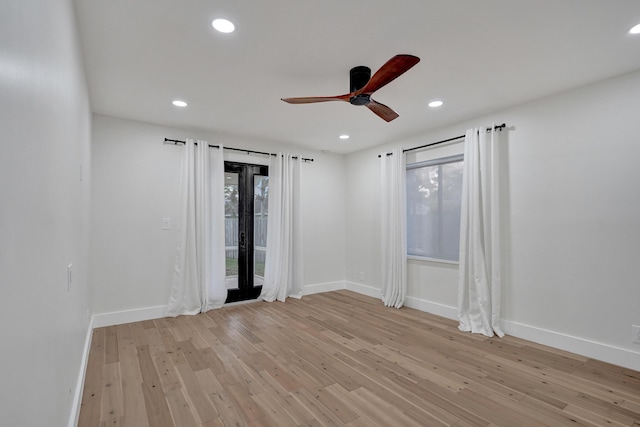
478	56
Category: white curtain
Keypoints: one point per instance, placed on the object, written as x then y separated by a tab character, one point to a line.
283	265
199	273
479	270
394	228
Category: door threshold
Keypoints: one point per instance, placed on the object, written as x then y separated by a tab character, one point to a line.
248	301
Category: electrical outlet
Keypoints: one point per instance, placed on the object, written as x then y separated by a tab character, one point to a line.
362	276
636	334
166	223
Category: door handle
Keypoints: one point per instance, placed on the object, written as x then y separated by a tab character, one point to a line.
242	239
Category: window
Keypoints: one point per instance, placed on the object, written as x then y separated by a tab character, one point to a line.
434	190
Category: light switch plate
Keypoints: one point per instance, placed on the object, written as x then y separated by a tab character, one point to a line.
69	271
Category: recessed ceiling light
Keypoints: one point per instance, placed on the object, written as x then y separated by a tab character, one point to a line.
179	103
345	136
434	104
223	25
635	30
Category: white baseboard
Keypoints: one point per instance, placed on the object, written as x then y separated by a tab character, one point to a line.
322	287
594	350
128	316
604	352
432	307
363	289
157	312
77	396
411	302
599	351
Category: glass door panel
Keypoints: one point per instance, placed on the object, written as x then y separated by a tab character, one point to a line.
231	210
260	216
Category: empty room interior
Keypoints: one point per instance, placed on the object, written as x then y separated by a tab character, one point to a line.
359	213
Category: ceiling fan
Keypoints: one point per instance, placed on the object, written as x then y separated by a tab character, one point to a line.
363	84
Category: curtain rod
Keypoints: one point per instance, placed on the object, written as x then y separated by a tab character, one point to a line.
177	141
496	127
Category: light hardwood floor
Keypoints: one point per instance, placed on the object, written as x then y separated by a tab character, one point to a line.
341	359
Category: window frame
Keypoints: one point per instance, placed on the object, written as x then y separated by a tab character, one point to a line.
427	163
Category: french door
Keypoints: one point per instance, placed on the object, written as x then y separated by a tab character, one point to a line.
246	195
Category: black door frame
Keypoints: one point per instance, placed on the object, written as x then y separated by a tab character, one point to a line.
246	172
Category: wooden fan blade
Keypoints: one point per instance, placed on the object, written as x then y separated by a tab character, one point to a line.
384	112
393	68
312	99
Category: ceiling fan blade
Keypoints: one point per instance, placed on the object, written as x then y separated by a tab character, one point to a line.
393	68
384	112
312	99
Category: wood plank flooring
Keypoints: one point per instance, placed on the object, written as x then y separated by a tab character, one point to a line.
341	359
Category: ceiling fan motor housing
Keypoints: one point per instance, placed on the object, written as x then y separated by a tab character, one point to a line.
362	86
359	76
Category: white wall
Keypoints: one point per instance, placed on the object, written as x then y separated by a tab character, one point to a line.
570	215
44	212
136	181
